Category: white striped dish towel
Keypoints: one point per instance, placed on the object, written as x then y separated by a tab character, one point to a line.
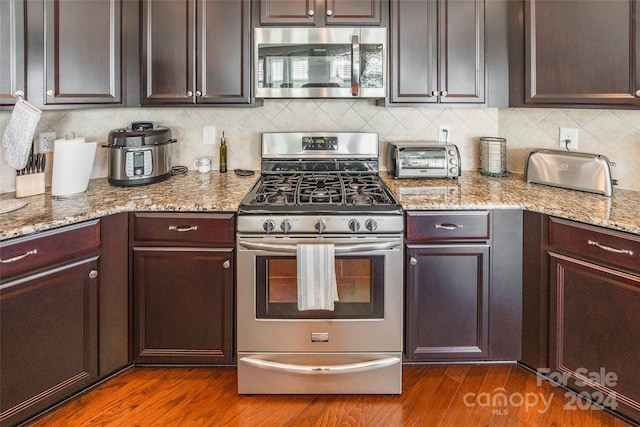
317	286
18	135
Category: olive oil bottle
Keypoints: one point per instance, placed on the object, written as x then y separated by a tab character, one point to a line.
223	154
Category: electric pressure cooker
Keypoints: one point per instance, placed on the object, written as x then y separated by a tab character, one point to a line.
139	154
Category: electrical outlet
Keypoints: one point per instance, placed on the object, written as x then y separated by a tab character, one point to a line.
444	134
568	138
209	135
45	142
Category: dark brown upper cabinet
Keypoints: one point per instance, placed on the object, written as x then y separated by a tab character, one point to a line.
437	52
196	52
574	53
82	52
322	12
12	51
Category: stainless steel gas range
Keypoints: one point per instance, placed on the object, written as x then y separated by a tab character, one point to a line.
319	283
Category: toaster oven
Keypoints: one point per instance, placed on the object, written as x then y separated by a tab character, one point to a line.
423	160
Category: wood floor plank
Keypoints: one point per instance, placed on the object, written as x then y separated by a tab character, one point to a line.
432	396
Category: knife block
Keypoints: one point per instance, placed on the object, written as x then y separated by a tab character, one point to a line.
29	185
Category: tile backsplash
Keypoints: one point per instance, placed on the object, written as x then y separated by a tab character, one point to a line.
614	133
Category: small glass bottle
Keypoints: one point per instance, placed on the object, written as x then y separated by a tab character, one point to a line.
223	154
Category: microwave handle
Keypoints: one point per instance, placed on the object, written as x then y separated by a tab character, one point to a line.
355	65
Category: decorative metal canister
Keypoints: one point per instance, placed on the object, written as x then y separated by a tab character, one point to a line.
493	156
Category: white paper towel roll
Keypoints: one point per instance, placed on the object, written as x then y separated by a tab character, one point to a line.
72	164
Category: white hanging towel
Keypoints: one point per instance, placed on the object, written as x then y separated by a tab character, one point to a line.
317	286
18	135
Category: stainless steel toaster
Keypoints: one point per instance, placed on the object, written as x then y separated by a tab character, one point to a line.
570	169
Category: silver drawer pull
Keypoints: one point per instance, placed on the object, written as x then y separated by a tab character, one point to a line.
183	228
19	257
610	249
448	226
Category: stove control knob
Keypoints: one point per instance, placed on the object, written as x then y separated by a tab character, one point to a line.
354	225
285	225
320	225
269	225
371	225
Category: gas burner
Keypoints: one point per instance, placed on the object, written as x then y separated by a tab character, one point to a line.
362	199
277	199
356	184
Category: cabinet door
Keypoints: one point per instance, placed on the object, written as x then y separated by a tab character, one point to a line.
461	52
594	332
581	52
182	305
447	302
83	52
48	337
223	42
168	52
353	12
414	51
12	50
283	12
437	51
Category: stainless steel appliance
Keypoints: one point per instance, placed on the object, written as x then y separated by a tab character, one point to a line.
570	169
320	189
139	154
320	62
423	160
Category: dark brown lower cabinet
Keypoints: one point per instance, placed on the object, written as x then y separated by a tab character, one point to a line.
595	333
447	302
49	337
183	302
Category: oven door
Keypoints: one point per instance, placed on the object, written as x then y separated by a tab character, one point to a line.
367	317
320	62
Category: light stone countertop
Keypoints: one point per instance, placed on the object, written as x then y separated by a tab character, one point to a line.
475	191
192	192
216	192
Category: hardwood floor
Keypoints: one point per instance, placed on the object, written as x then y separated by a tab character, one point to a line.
466	395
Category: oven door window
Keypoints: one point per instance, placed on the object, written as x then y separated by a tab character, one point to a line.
360	282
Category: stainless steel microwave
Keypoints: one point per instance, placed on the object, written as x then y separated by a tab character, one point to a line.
320	62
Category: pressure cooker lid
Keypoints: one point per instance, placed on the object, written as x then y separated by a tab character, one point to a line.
138	134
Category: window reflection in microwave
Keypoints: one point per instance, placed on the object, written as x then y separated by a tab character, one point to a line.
354	277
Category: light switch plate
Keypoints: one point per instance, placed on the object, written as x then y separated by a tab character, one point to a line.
209	135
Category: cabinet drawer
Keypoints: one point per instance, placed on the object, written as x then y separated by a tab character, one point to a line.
456	226
27	254
183	228
605	246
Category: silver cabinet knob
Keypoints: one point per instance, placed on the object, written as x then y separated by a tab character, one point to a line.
189	93
638	92
444	93
51	92
311	12
435	93
198	93
226	264
329	12
413	261
19	94
93	274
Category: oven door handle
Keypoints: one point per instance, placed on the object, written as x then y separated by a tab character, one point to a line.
339	249
348	368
